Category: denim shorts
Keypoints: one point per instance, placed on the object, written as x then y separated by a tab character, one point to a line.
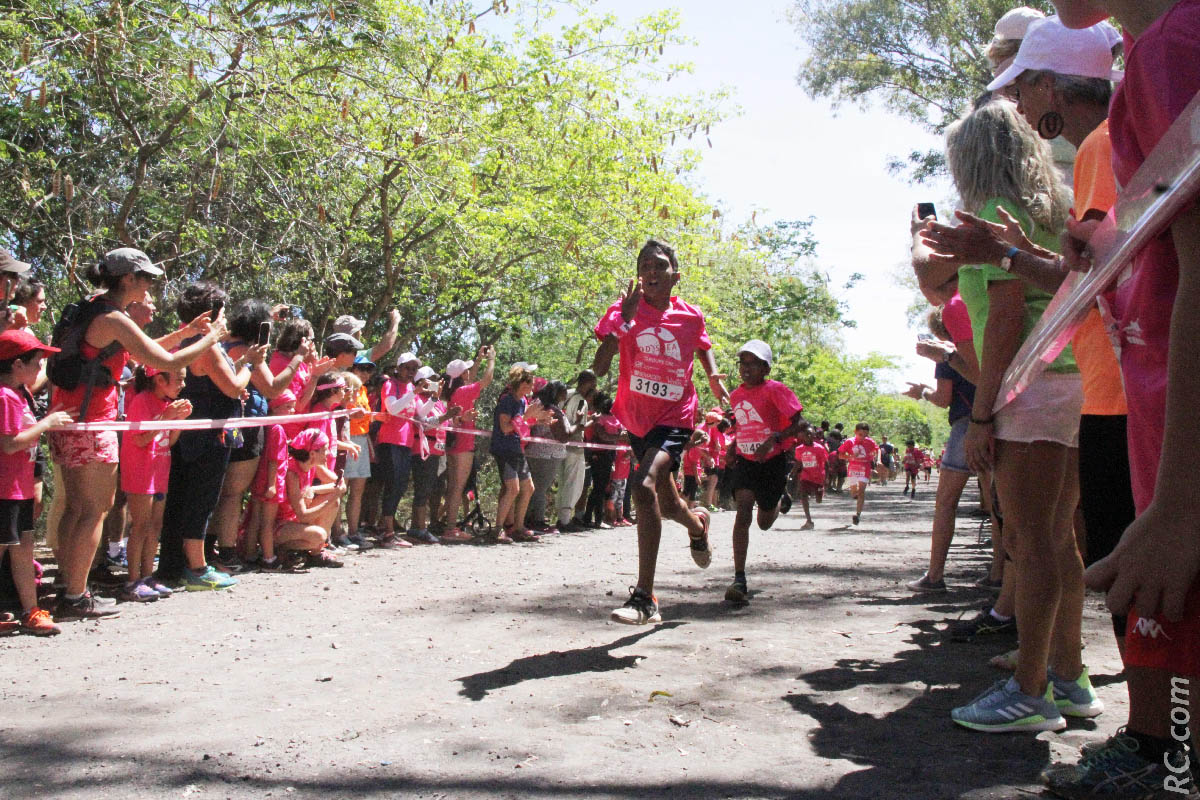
955	457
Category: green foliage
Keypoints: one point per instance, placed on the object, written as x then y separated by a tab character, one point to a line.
924	59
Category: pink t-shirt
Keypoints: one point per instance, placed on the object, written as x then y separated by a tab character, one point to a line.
610	424
812	458
16	469
280	361
329	428
435	437
1162	75
862	456
274	450
718	445
396	430
654	387
287	513
620	470
760	411
957	320
692	457
145	470
464	397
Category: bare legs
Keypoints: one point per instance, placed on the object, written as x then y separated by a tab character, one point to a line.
950	487
146	516
87	495
228	512
656	498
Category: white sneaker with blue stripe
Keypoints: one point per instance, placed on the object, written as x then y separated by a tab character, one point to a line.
1005	708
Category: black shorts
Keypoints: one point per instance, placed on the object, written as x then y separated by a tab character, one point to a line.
767	479
512	466
16	517
669	440
690	485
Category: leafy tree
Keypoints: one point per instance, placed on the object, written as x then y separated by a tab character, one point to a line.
923	58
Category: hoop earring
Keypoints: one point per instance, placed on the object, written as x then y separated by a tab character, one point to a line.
1050	125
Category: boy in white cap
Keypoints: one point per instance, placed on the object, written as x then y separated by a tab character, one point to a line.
765	415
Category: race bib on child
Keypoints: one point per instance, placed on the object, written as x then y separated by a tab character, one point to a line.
658	371
809	460
856	470
751	431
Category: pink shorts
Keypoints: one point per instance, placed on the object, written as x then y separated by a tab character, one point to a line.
1158	643
80	448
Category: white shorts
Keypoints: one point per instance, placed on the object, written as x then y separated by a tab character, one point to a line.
1047	411
857	481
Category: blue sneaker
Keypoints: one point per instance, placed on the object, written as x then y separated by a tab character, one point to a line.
422	536
1075	698
1117	771
207	581
1004	708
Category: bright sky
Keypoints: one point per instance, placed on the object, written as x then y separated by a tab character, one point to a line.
789	157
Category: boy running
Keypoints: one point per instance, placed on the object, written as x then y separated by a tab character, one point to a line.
859	455
811	457
914	459
765	413
657	336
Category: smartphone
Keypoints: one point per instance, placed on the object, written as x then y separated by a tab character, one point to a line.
217	305
264	333
925	210
925	337
297	312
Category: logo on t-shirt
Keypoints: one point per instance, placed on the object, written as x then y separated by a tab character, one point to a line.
659	342
745	413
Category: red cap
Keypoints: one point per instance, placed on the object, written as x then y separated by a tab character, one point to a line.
19	342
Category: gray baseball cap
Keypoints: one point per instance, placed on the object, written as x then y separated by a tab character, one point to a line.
9	263
125	260
342	343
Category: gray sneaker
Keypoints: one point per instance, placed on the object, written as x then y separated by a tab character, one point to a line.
1075	698
924	585
1004	708
1116	771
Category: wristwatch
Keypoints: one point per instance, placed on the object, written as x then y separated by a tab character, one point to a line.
1007	261
948	356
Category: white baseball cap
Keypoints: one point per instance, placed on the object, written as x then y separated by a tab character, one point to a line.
757	348
424	373
1050	45
525	365
1015	23
407	357
458	367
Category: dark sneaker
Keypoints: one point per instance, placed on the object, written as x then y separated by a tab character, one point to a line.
981	624
700	548
323	558
854	519
924	585
640	609
229	562
422	536
1116	770
274	565
106	575
986	582
361	542
737	593
85	607
785	503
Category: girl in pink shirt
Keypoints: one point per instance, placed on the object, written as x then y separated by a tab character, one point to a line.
860	452
464	392
268	490
308	515
145	466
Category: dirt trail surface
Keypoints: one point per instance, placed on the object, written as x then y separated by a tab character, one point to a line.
465	672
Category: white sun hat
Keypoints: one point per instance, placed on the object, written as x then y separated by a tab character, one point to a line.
1050	45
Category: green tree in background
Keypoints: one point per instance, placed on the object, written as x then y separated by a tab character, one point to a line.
924	59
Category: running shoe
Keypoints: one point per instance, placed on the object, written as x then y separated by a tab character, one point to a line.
346	543
640	609
38	622
422	536
785	503
230	562
158	586
456	535
1004	708
986	582
569	527
1075	698
137	592
115	560
982	624
323	558
808	526
924	585
390	541
83	607
207	580
360	541
627	522
523	536
854	519
274	565
700	548
1116	771
737	593
105	575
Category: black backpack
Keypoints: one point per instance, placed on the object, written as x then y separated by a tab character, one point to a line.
69	369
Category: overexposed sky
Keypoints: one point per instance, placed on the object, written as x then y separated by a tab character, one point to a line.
789	157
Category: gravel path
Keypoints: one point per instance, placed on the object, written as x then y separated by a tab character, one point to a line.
466	672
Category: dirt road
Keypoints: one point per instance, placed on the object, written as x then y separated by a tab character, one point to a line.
470	672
